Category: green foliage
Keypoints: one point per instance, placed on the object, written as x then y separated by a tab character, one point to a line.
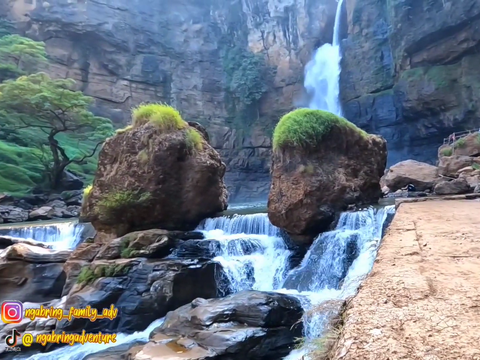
116	202
448	151
88	276
247	75
476	166
460	143
48	114
165	117
194	139
6	27
306	127
9	71
22	52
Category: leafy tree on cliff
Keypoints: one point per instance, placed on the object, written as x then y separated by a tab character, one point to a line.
53	108
20	55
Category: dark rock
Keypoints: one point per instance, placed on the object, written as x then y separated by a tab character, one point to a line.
70	182
247	325
24	281
13	214
454	187
142	290
200	129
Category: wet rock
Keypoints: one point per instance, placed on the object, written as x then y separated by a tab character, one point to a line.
13	214
26	281
170	185
6	241
314	181
457	186
35	254
247	325
421	175
141	289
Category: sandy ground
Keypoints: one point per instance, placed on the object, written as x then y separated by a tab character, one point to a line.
422	299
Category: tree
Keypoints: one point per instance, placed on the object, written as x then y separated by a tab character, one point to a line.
18	55
53	107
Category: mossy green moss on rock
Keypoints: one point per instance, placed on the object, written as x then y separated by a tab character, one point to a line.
160	173
321	164
304	128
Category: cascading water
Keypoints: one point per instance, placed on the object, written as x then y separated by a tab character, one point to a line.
322	73
251	252
79	352
62	235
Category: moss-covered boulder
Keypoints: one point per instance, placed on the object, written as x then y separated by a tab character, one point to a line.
321	164
159	172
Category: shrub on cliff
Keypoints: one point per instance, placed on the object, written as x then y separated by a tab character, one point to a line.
306	128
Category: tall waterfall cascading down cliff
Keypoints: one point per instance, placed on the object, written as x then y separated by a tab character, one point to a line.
322	73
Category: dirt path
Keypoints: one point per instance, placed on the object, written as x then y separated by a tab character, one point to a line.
422	299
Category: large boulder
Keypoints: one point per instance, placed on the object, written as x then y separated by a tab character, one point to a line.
12	214
422	175
159	172
450	165
247	325
454	187
141	289
321	164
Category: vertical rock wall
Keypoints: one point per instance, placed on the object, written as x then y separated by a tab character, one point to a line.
124	52
410	71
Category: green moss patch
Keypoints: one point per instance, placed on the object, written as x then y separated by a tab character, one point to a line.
115	202
165	117
306	128
194	139
88	275
447	151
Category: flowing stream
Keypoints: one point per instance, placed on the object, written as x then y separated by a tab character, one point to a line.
254	255
322	73
60	235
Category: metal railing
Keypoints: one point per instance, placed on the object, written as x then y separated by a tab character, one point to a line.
458	135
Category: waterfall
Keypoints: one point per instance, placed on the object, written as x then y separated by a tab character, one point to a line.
62	235
322	73
251	252
254	256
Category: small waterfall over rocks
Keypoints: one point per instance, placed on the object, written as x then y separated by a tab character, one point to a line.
255	256
251	251
62	235
322	73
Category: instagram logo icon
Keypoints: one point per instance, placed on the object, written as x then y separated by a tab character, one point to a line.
12	312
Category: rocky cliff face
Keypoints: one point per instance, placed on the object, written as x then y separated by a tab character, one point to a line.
196	55
410	71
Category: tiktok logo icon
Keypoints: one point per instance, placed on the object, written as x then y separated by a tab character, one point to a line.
11	340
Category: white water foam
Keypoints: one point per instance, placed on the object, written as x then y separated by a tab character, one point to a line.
252	253
79	352
322	73
61	236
